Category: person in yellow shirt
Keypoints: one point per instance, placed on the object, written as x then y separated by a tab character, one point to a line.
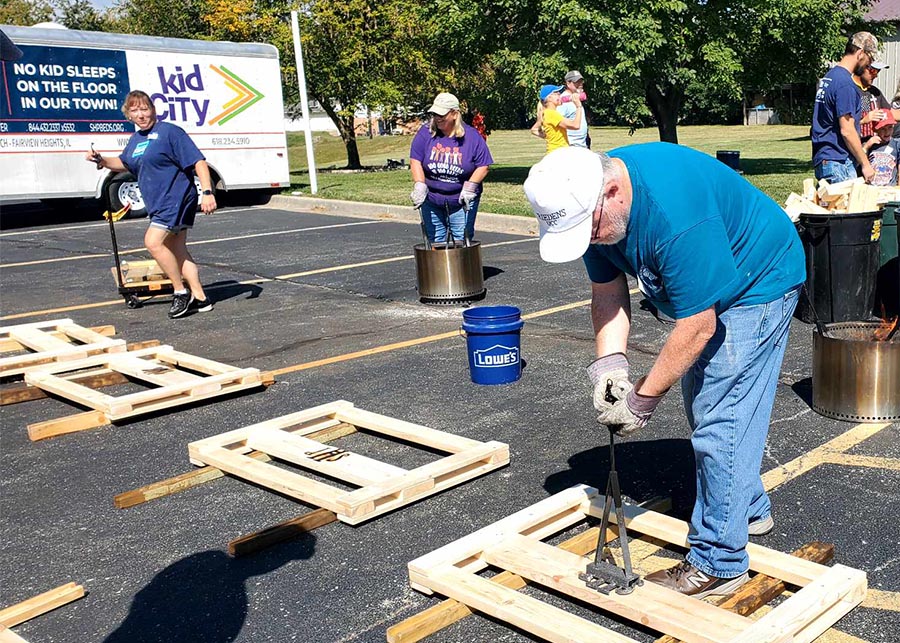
550	124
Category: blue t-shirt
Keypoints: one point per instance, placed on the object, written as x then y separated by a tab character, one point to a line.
162	158
699	235
836	96
448	161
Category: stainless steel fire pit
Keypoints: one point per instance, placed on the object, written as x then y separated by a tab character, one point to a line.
855	377
449	274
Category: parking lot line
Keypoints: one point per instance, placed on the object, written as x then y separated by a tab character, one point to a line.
191	243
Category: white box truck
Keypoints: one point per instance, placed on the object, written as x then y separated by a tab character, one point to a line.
65	95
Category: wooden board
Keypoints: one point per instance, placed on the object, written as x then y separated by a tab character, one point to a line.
53	341
159	366
382	487
514	545
40	604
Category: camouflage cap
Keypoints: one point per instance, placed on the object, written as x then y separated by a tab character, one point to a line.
865	41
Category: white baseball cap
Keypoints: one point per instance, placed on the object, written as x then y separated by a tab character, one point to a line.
563	190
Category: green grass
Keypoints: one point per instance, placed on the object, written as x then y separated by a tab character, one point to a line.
775	158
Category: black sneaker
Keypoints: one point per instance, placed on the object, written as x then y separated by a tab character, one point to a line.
686	579
202	305
180	305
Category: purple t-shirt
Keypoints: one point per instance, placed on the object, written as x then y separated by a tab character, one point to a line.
449	161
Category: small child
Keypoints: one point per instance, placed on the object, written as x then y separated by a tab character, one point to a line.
884	152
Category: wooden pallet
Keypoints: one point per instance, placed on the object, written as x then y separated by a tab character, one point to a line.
143	274
383	487
59	340
514	544
173	374
40	604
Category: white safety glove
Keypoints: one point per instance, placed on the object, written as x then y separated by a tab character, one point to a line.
609	375
419	194
468	194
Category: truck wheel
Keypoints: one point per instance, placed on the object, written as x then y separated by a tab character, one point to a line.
122	189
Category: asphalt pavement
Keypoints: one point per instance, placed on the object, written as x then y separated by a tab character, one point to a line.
328	303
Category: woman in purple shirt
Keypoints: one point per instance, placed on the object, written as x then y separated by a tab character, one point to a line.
449	160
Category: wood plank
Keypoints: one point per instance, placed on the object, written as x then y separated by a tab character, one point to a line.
415	433
38	340
70	390
267	475
101	359
207	366
338	463
762	559
7	344
840	586
449	611
153	372
51	323
323	411
530	614
82	334
470	546
284	531
18	364
761	589
40	604
68	424
8	636
651	605
207	473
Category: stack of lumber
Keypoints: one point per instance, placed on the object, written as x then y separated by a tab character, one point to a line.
845	197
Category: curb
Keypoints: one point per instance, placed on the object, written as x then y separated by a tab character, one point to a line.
486	221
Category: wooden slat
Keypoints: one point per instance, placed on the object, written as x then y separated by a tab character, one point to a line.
102	359
449	611
7	344
8	636
408	431
652	605
286	482
841	587
152	371
762	559
40	604
18	364
68	424
530	614
761	589
70	390
195	363
82	334
348	466
51	323
38	340
284	531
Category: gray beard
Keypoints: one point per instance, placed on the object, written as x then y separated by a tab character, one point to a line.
619	227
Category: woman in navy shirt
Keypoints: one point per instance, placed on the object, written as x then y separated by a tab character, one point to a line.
164	159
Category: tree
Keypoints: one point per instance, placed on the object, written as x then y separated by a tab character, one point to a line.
644	57
25	12
80	14
182	19
358	52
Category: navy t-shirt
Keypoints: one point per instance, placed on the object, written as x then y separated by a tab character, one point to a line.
449	161
836	96
700	235
162	158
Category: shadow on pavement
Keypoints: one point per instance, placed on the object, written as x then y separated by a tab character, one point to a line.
202	597
646	469
803	390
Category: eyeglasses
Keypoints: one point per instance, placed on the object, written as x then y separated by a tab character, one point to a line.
595	232
873	70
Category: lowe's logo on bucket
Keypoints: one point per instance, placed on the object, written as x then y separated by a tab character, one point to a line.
497	356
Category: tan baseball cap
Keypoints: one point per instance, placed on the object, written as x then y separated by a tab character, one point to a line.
443	103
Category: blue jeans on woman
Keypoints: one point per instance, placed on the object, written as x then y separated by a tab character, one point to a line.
436	218
728	397
835	171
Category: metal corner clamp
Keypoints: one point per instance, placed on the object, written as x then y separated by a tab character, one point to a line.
603	575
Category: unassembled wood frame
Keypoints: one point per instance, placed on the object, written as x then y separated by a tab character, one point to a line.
59	340
514	544
383	487
160	366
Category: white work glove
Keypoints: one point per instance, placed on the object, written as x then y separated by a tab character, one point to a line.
609	375
419	194
630	414
468	194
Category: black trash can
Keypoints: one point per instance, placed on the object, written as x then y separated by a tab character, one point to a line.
842	258
887	283
731	158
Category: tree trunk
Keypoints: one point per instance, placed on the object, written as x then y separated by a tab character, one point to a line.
664	105
346	130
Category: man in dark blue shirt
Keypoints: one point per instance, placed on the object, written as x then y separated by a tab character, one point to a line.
720	257
836	114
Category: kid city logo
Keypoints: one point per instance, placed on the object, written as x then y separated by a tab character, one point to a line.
182	96
497	356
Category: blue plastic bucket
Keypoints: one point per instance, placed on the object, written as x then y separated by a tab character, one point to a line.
492	340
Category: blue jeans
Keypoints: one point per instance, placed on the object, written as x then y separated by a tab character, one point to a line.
836	171
728	397
435	218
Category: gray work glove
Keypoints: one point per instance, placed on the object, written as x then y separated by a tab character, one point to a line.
609	374
468	194
419	194
630	414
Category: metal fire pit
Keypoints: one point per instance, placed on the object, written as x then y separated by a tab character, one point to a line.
448	274
856	377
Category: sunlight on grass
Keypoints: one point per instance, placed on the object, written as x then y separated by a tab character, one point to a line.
775	158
